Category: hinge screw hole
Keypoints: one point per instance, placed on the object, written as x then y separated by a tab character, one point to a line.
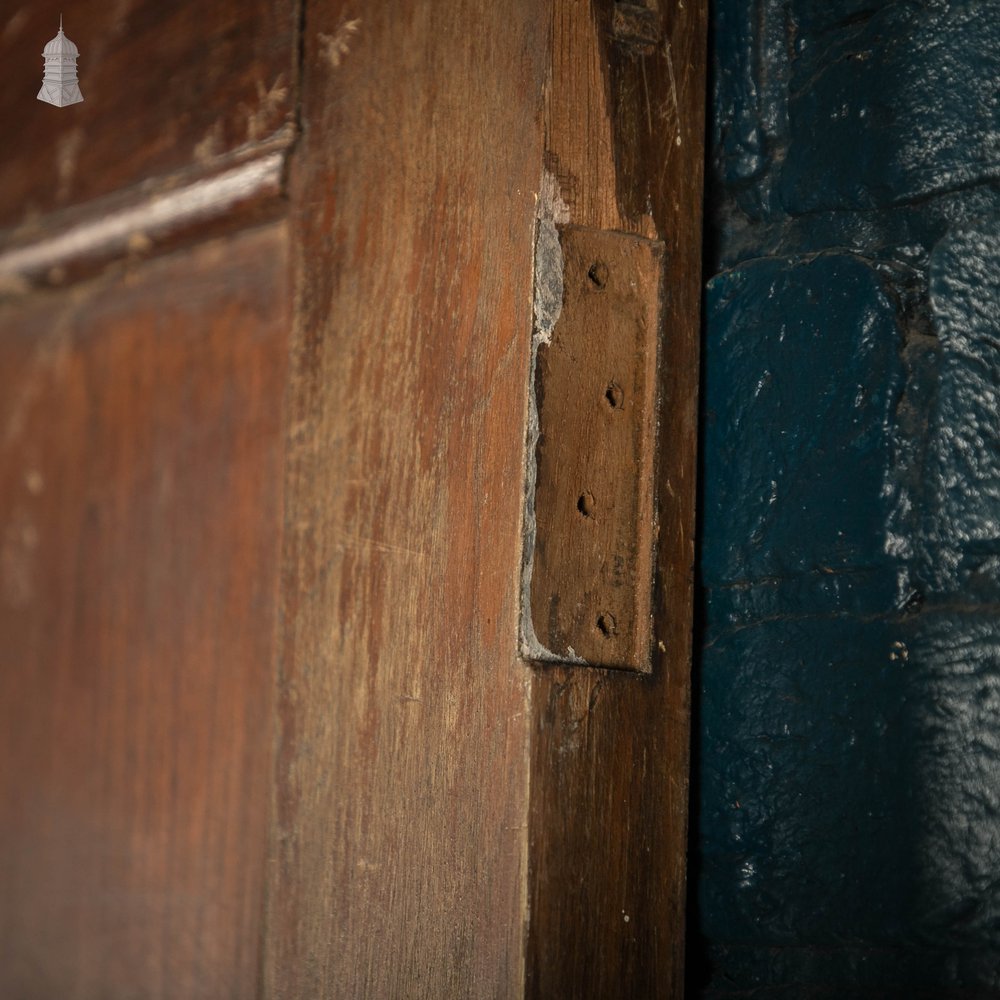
607	625
598	274
585	505
614	396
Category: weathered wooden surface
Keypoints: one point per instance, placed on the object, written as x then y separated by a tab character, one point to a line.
591	573
609	751
445	820
141	450
168	88
399	858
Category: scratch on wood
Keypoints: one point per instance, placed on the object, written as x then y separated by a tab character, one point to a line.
362	541
261	117
67	151
210	145
14	25
673	89
337	45
645	93
17	562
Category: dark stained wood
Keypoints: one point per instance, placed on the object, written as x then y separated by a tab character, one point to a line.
595	394
141	449
168	88
264	726
400	845
609	751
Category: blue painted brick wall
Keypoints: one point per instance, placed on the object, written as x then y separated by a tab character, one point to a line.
847	769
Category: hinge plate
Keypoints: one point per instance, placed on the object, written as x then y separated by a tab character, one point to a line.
587	585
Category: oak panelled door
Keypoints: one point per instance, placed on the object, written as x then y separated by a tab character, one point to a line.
348	360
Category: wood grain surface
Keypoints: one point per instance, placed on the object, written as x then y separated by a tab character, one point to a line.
168	88
609	751
141	449
400	849
264	726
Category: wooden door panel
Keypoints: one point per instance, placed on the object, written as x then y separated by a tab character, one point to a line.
167	88
141	451
265	725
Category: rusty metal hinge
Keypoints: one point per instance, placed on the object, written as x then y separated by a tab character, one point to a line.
588	555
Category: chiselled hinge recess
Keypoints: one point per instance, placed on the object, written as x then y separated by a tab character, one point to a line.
588	553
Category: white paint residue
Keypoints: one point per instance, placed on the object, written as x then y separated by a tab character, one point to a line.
548	281
546	308
550	201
